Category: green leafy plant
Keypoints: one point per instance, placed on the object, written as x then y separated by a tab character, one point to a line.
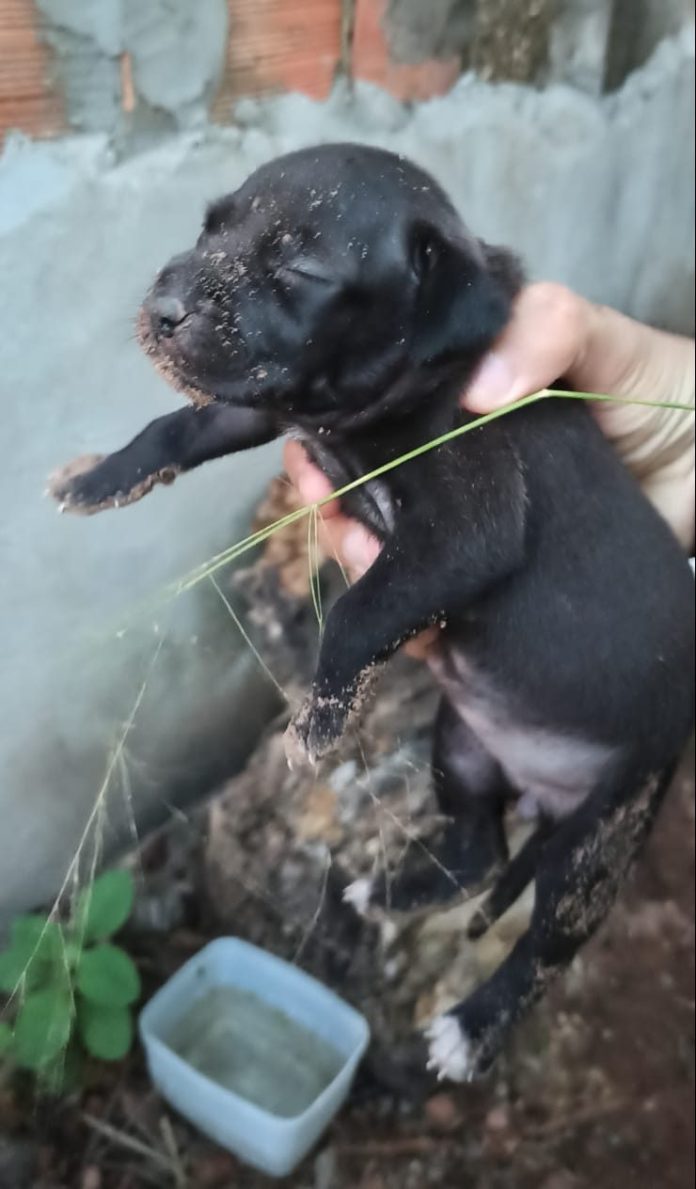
69	988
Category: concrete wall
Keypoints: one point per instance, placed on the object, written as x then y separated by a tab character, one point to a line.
139	70
594	191
80	240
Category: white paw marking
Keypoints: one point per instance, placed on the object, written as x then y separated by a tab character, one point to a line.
450	1050
358	894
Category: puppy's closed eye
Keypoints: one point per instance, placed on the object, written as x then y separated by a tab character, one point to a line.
304	268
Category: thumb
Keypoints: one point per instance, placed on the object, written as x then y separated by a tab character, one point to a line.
542	341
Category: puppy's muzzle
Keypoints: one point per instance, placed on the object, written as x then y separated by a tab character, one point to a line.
165	313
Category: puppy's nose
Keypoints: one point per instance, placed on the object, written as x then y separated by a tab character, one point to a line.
166	313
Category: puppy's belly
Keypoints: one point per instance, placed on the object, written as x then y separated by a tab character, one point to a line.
553	771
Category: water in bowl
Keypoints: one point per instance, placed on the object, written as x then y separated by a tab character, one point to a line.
257	1051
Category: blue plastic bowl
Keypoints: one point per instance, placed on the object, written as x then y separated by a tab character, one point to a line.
273	1143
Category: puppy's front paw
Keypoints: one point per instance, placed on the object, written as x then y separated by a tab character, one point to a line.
296	752
73	485
315	730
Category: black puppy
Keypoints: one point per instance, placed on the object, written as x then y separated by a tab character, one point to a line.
338	297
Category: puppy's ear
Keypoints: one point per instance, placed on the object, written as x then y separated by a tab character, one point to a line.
465	292
504	267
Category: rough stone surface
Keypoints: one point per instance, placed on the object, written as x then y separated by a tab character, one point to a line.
511	41
594	192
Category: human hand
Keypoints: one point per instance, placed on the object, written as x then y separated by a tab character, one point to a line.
345	539
554	332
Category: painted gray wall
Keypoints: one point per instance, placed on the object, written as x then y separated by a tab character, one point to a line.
594	192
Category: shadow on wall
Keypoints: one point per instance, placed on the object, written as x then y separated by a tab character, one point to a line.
597	192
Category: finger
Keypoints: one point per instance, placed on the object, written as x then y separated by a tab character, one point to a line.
341	538
350	544
311	484
356	549
544	339
421	645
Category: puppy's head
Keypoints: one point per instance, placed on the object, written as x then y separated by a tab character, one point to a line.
329	287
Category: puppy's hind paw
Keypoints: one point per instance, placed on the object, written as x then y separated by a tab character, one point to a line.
357	894
314	731
450	1049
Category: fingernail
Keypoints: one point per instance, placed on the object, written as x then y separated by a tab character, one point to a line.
491	385
359	549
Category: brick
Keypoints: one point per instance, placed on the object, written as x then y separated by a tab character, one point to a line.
371	60
280	45
29	100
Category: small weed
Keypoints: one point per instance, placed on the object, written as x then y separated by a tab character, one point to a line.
69	988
